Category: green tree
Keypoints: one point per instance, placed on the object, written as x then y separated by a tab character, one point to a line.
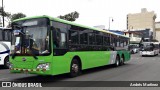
10	17
13	17
17	16
6	14
70	17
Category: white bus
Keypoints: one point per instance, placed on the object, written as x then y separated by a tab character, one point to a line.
150	49
5	43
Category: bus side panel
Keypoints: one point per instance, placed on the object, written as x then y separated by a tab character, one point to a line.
90	59
127	55
112	55
95	59
61	64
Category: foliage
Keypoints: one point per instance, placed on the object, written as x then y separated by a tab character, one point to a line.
70	17
10	17
6	14
17	16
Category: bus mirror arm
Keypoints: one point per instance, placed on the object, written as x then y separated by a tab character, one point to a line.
51	27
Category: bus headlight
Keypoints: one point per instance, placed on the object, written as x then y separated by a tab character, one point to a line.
43	66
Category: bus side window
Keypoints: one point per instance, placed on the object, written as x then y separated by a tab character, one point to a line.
73	37
56	38
59	38
63	40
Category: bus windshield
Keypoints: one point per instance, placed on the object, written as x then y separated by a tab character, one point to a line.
148	47
32	38
5	34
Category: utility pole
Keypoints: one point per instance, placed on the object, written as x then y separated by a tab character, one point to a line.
109	22
3	14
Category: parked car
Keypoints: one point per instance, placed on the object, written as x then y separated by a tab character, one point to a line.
133	49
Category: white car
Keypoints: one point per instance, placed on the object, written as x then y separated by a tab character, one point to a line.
134	50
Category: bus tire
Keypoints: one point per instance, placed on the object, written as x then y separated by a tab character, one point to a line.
122	60
117	62
75	68
132	52
6	62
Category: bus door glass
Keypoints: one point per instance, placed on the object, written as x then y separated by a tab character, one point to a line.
59	33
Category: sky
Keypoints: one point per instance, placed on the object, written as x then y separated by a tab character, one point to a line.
92	12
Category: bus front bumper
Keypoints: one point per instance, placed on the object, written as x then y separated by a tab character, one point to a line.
146	53
30	71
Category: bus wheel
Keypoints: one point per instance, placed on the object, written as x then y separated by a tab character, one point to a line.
117	63
6	62
122	60
132	52
75	68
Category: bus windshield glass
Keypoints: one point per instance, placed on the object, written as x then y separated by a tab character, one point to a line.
147	47
5	34
30	37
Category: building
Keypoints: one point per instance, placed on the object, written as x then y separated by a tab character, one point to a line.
142	21
117	31
157	29
136	36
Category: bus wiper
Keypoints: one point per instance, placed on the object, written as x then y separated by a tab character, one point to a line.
31	49
35	57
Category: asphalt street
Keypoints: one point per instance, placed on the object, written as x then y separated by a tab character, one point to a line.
137	69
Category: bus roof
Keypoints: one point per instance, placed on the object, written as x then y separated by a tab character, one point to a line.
71	23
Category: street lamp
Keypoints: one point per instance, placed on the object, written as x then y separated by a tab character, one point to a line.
109	22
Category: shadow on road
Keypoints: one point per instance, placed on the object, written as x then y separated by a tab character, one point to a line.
2	67
99	69
149	56
63	77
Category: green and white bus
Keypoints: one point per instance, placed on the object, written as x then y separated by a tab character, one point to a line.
50	46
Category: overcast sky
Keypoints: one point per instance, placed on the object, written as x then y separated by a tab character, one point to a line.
92	12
